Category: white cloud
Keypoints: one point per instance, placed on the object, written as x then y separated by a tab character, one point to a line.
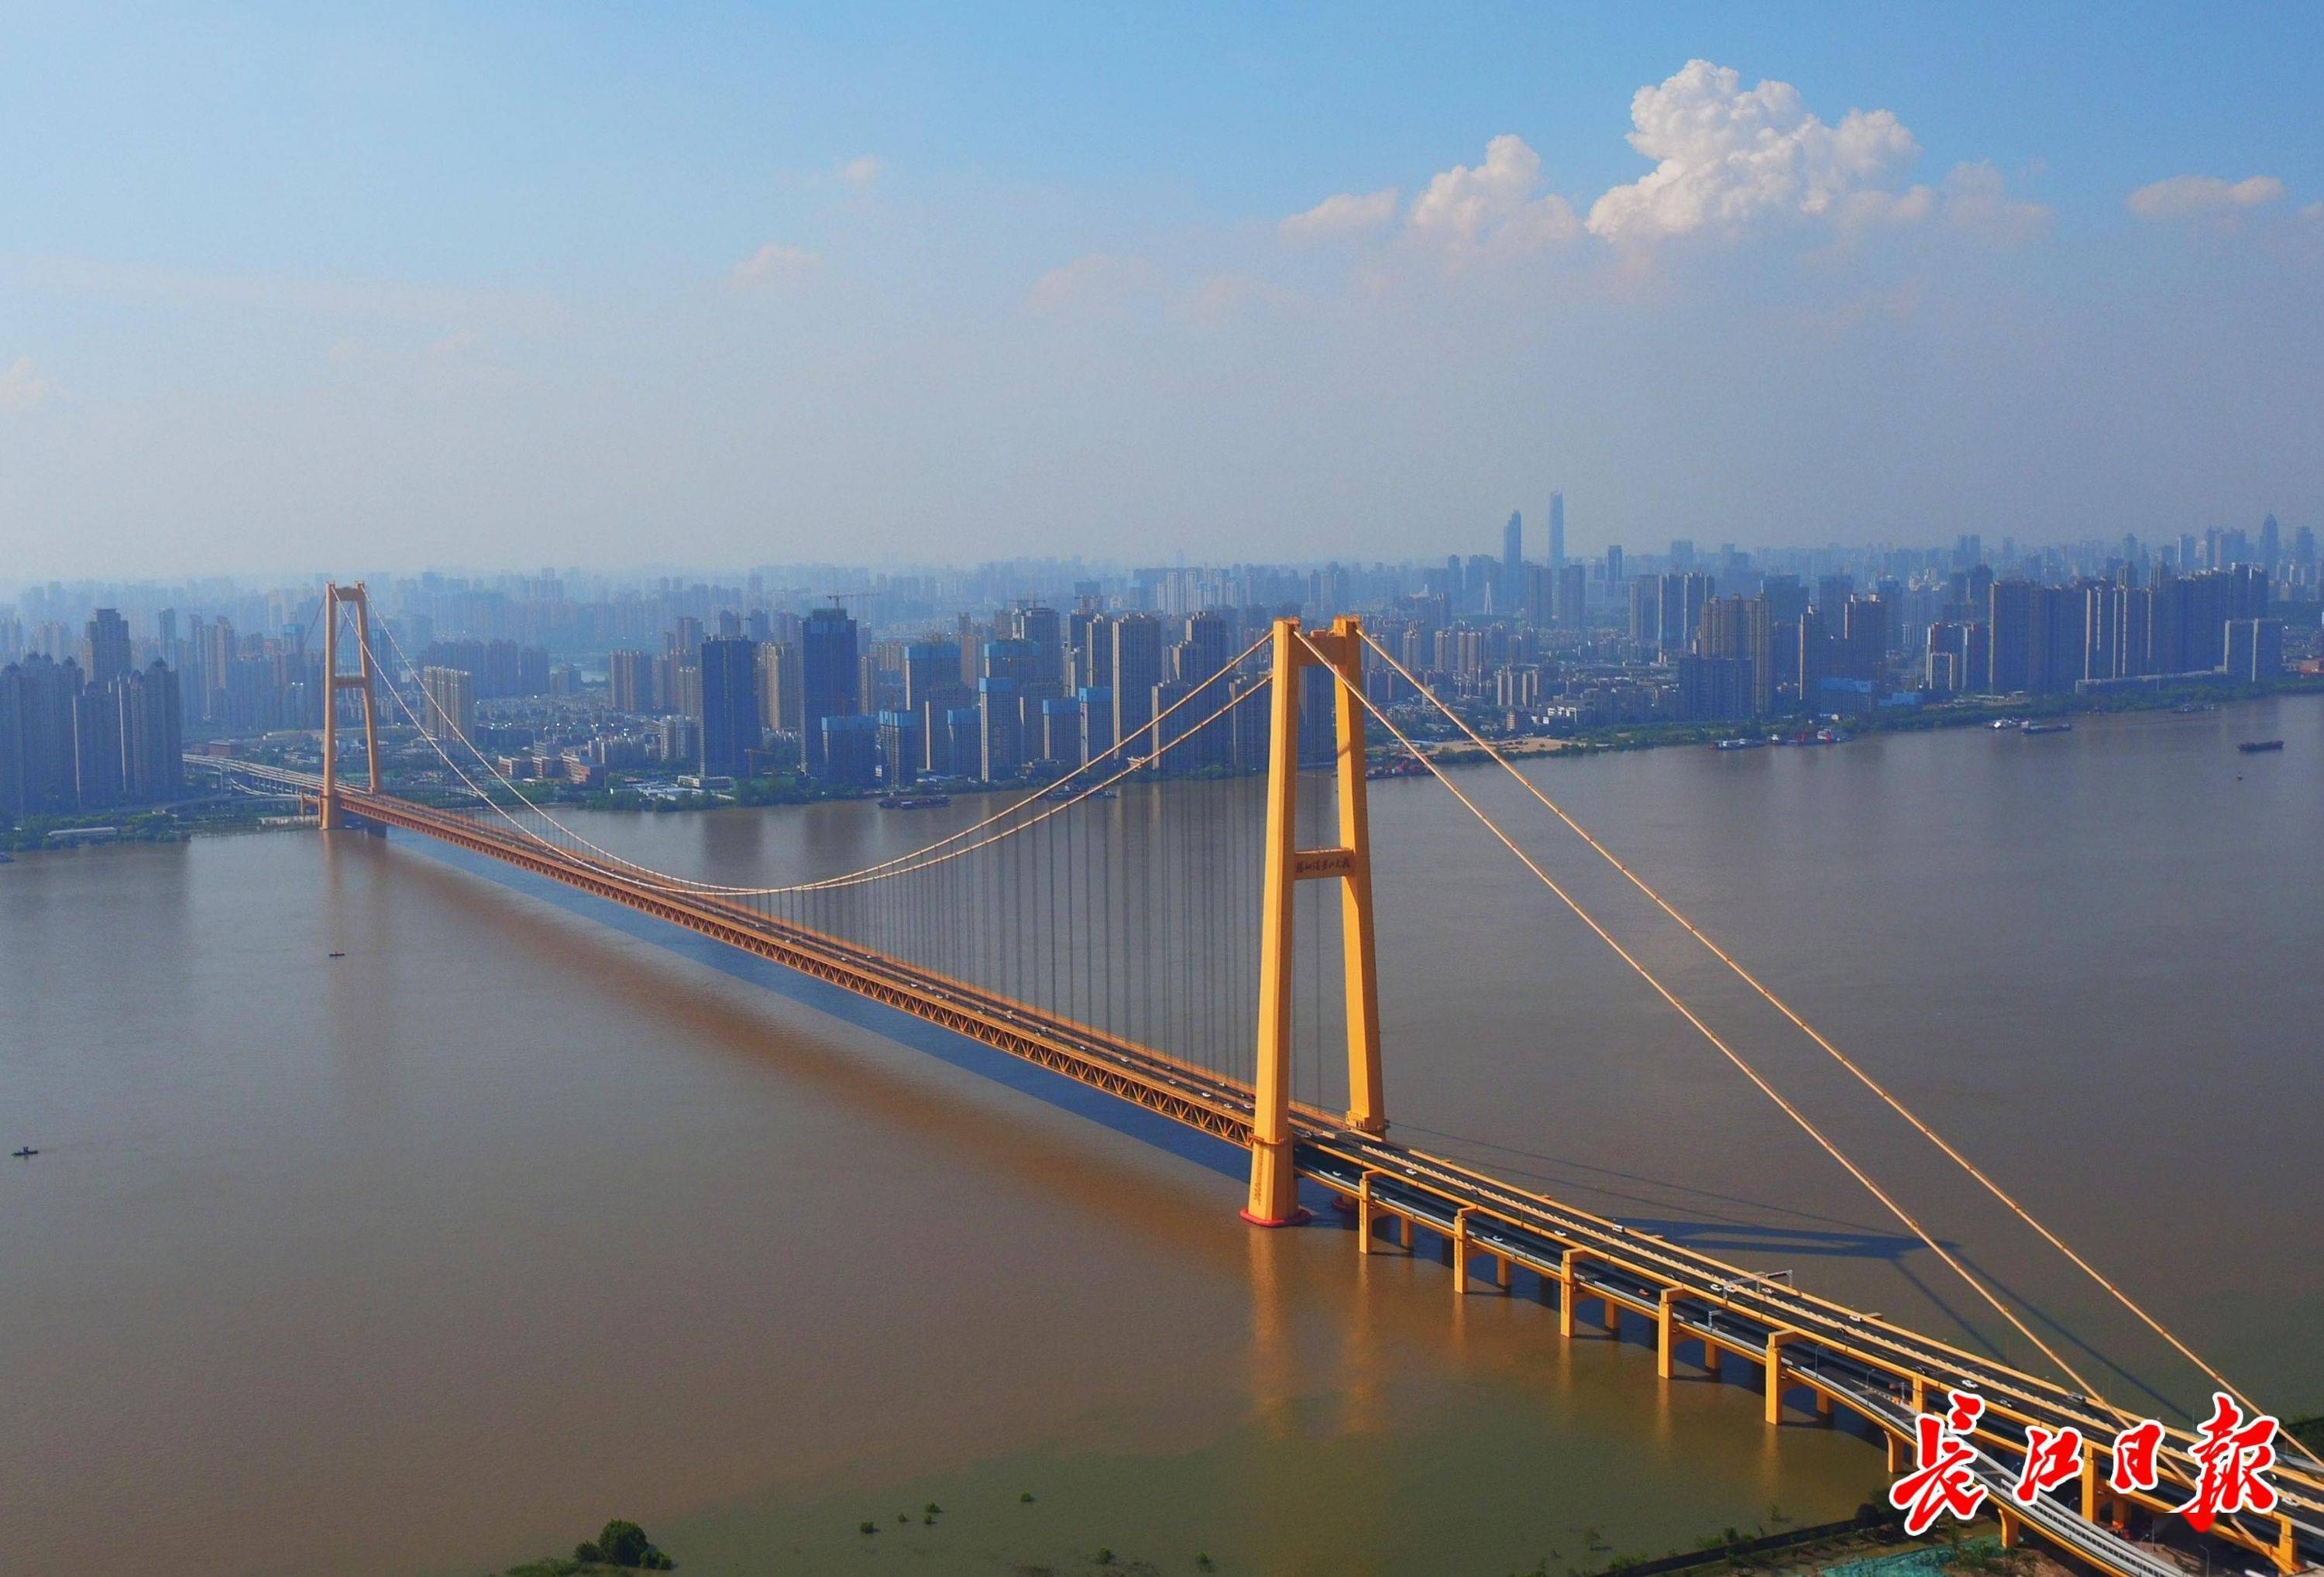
1727	158
1978	203
775	264
1490	206
2197	197
861	171
1347	214
22	387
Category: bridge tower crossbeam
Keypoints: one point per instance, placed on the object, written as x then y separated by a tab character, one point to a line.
1274	1179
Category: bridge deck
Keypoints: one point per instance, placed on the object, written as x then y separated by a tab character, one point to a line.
1879	1370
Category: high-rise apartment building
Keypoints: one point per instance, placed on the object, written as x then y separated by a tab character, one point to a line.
1136	669
97	749
1571	608
732	718
153	737
629	681
1683	596
104	648
782	688
850	749
1737	630
830	681
1001	729
2009	623
448	704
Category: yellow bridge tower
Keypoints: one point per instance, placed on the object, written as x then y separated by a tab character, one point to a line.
1274	1181
334	598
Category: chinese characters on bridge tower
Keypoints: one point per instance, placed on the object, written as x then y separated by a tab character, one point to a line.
2231	1453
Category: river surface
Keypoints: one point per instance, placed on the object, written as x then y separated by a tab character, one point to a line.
525	1213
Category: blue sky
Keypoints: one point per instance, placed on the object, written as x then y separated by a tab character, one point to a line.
724	284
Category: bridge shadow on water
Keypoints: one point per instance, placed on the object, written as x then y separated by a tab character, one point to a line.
1719	1227
890	1024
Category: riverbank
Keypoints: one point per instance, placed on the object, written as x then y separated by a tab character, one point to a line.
1871	1543
1980	713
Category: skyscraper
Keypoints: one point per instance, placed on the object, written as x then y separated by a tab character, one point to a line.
730	704
37	775
449	712
629	681
1557	532
104	648
1572	606
782	702
1136	669
1683	596
1646	611
96	748
152	748
1512	548
1045	631
2010	620
1001	729
830	683
1737	630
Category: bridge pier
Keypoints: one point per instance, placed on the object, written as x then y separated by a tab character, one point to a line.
1566	1265
1776	1342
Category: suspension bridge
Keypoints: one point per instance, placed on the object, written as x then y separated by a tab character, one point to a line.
1071	933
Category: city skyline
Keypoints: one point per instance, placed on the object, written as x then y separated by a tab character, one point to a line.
529	291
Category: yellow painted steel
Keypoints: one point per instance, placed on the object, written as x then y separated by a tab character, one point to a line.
333	808
1367	1107
1567	1264
1776	1342
1274	1183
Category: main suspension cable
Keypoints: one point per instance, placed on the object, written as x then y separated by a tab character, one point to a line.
669	883
1766	1089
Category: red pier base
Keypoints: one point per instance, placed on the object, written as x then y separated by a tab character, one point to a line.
1298	1217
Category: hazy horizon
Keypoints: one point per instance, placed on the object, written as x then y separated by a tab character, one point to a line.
736	285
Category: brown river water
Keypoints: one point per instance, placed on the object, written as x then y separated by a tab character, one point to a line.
525	1213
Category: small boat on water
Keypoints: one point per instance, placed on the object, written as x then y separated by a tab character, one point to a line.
2049	728
914	801
1739	745
2000	723
2252	747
